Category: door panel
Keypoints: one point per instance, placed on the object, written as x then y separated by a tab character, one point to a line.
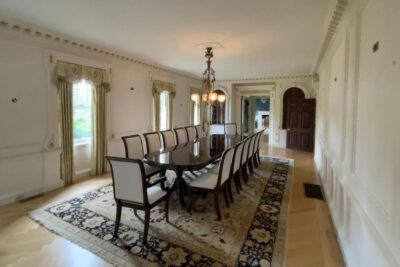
301	124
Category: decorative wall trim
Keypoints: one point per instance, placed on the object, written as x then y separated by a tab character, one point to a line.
268	78
70	41
337	15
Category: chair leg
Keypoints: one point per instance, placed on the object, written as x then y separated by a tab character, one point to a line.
225	195
167	209
258	157
255	163
230	190
244	173
238	185
190	201
216	203
135	212
162	174
117	218
250	163
146	226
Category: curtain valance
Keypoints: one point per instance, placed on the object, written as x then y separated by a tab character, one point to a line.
160	86
70	72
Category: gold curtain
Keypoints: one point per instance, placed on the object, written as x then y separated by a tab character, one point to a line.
65	98
158	88
66	74
99	129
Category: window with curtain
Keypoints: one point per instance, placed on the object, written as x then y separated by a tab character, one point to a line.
164	111
163	94
82	122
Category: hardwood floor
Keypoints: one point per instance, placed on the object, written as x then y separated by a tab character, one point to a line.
311	237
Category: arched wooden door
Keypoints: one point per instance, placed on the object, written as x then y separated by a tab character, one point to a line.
298	120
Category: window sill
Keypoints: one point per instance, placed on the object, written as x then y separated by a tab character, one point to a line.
83	143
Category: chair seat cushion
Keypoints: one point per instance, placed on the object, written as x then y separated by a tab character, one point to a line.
154	193
207	180
214	169
150	170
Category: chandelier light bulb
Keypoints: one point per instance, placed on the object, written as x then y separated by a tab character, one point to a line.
194	97
221	98
213	96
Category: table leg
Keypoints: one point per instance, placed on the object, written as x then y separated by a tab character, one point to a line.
180	184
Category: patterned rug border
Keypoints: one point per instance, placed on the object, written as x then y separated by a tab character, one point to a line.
278	256
121	258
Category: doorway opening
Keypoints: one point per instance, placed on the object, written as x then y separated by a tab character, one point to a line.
255	115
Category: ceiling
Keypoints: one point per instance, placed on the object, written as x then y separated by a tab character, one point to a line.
260	38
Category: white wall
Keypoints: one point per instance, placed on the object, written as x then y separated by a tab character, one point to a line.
29	134
357	138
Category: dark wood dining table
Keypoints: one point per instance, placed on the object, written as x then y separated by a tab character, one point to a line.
191	156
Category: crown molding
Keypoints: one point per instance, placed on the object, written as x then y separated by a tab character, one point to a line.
336	16
22	28
268	78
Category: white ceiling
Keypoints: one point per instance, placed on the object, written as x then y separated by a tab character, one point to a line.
261	38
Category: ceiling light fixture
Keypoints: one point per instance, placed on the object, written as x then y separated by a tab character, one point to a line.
209	95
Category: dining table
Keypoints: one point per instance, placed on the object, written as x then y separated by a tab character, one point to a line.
191	156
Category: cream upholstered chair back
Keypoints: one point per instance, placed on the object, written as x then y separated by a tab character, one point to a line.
128	179
260	137
238	157
181	135
168	138
191	133
153	141
200	131
216	129
245	150
251	146
230	129
133	146
225	165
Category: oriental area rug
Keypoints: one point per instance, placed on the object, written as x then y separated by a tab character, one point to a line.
252	231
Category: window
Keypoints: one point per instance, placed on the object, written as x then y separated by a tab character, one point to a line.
82	112
164	111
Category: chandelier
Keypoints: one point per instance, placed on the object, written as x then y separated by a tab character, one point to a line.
209	94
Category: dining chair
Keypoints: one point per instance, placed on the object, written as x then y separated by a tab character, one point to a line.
215	183
153	141
230	128
259	143
216	129
200	132
181	135
243	168
237	164
134	150
255	149
132	191
191	133
168	138
250	153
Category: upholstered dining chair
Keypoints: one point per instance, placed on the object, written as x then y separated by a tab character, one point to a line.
191	133
216	129
168	138
255	148
243	168
132	191
250	153
259	143
215	183
153	141
230	128
134	150
181	135
237	164
200	132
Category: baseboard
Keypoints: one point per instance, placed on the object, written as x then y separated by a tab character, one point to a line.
16	196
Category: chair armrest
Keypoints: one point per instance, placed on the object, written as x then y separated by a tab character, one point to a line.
161	180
